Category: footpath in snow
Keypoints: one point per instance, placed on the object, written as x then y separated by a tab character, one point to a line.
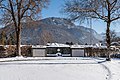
113	67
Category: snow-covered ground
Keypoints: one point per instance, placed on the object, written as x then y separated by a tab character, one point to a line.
59	68
114	68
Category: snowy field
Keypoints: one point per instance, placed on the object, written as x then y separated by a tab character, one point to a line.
59	68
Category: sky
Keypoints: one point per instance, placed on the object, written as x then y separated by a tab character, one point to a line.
54	9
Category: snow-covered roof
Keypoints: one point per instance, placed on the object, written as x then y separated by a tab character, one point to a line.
38	46
65	45
85	46
57	45
78	46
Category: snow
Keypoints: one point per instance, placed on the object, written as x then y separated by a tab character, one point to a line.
69	46
59	68
114	67
57	45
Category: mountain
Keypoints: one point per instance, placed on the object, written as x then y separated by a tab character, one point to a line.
53	30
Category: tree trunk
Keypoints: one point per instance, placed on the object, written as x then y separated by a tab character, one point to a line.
108	41
18	34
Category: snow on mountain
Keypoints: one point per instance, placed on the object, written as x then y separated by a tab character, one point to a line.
54	29
58	21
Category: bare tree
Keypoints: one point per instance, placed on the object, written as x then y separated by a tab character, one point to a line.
106	10
15	12
113	35
3	38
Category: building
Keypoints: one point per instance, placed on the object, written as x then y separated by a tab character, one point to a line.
55	49
77	51
38	51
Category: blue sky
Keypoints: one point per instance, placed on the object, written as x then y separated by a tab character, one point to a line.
54	8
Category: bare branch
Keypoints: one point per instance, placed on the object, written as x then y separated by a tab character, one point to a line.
114	19
16	10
